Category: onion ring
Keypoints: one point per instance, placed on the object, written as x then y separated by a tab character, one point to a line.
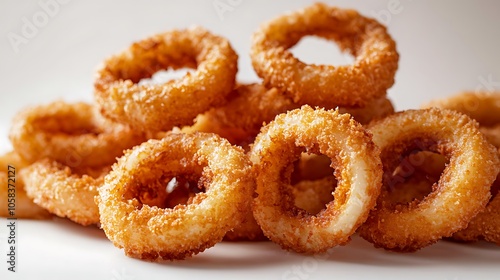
229	122
24	206
486	225
323	85
240	129
73	134
65	192
359	172
484	107
456	198
175	103
152	233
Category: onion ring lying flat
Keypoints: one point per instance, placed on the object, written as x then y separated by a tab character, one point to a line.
24	208
240	129
247	109
65	192
461	192
484	107
175	103
154	233
358	171
322	85
73	134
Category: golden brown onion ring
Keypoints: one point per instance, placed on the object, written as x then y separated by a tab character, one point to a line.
65	192
461	192
153	233
484	107
24	207
74	134
174	103
326	85
358	170
247	109
251	106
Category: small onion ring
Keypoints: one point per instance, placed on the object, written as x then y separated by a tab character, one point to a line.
359	172
152	233
74	134
65	192
461	192
324	85
174	103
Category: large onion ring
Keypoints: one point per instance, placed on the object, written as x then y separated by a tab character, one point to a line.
358	170
73	134
174	103
154	233
461	193
65	192
322	85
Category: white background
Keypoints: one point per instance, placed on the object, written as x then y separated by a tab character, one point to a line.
445	47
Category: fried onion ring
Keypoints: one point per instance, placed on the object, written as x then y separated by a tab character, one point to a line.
73	134
65	192
358	170
461	192
312	196
152	233
262	105
484	107
174	103
324	85
24	206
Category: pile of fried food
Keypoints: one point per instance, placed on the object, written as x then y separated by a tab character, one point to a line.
306	159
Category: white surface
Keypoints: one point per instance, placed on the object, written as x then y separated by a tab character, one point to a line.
445	47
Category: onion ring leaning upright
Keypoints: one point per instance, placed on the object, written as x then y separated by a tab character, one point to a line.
461	192
484	107
325	85
154	233
175	103
358	170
